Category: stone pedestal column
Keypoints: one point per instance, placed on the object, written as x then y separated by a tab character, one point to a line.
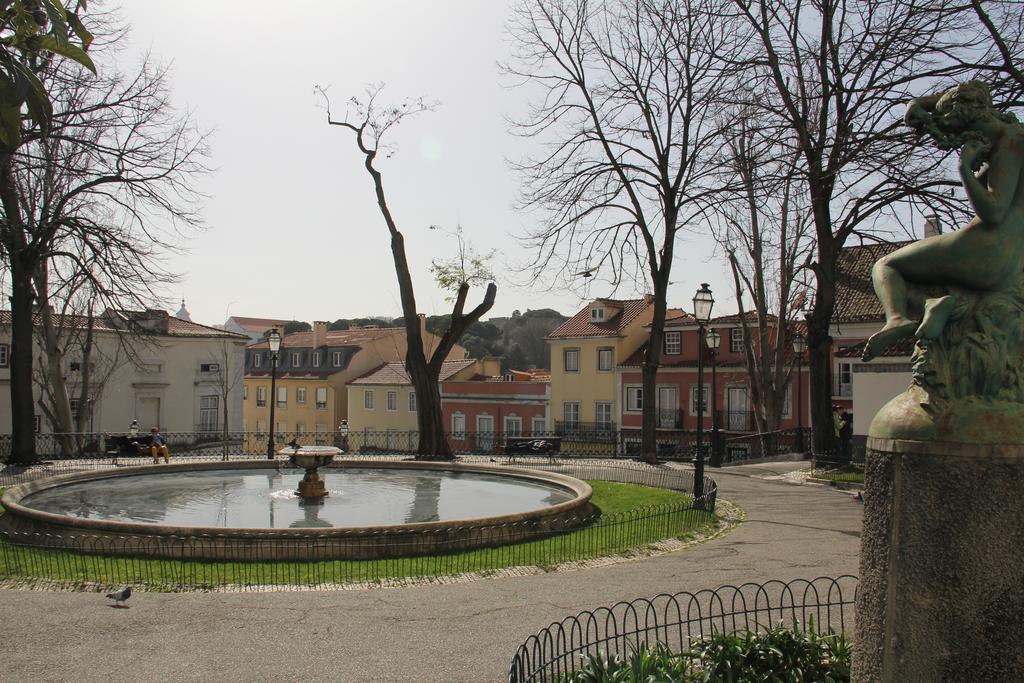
941	594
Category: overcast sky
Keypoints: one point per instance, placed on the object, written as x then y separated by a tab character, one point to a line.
294	230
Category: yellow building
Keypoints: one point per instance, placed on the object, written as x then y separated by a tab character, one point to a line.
382	403
585	350
313	371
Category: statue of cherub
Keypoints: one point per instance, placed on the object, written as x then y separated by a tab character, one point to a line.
987	254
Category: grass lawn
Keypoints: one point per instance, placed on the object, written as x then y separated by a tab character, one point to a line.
631	517
843	474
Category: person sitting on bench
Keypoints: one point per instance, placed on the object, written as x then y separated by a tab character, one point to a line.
158	446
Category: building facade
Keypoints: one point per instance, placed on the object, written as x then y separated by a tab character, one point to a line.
725	399
863	388
480	406
585	352
313	372
254	328
149	367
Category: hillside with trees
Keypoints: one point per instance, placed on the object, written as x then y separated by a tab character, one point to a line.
518	340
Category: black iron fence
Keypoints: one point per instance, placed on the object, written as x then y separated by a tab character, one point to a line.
172	562
678	619
585	441
763	445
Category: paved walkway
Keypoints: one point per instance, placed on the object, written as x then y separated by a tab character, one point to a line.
455	632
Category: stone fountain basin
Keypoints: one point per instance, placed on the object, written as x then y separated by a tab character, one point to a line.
36	527
311	457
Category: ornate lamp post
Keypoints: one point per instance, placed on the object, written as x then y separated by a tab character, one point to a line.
799	344
274	339
712	337
702	303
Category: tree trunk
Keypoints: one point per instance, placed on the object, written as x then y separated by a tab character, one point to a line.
61	406
23	446
819	344
429	417
23	429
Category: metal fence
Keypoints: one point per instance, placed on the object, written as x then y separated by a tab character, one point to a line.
677	620
584	441
763	445
170	563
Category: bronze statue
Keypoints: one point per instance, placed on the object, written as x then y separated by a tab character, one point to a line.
987	254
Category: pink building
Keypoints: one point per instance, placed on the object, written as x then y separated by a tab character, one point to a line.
725	380
495	407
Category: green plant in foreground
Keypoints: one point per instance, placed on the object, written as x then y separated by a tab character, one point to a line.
644	664
780	655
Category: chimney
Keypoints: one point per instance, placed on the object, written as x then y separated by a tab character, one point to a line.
423	324
319	333
153	320
932	227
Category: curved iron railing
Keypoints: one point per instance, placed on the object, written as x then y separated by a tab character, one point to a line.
676	620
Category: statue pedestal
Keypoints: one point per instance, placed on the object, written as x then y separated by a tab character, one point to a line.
941	594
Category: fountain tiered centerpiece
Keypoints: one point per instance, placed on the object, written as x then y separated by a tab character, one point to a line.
311	458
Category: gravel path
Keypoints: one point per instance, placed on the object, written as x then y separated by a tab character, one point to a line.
440	632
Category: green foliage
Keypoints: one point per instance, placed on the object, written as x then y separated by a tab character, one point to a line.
644	664
355	323
468	267
293	326
517	340
780	655
29	30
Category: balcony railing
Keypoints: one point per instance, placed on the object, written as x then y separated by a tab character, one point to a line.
736	421
670	419
584	431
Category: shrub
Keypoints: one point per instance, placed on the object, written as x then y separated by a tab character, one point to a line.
780	655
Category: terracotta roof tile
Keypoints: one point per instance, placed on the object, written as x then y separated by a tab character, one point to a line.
855	295
395	372
901	349
580	324
176	327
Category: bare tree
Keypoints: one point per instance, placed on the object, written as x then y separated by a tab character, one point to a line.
101	195
32	35
67	333
370	122
228	376
764	228
627	113
834	77
1003	21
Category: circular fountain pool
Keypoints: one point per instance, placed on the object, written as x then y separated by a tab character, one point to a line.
231	510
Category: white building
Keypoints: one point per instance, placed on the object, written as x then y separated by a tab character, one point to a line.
254	328
864	387
146	366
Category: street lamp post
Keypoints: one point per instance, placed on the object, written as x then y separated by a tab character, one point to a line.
274	339
702	303
799	344
712	337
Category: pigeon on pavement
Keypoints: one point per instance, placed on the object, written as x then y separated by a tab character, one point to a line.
119	597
